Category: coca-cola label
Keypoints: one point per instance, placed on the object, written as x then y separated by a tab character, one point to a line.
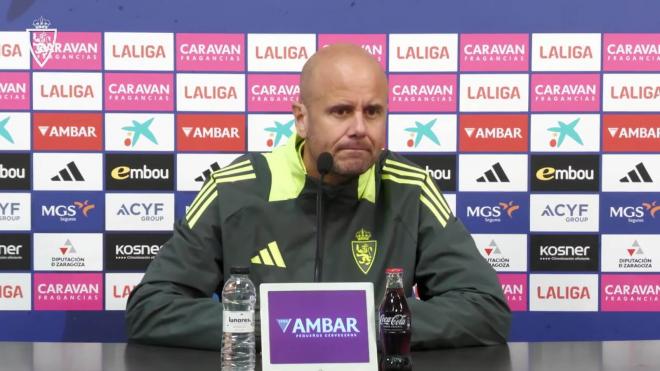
238	322
397	322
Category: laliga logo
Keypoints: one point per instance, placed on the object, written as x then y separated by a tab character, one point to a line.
42	40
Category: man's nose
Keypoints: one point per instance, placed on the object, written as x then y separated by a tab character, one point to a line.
358	125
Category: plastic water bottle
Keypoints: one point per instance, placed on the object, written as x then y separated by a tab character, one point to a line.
238	301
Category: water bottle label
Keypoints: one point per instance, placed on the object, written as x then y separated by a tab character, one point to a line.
238	322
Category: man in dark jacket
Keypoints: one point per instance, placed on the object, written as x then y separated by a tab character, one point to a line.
381	211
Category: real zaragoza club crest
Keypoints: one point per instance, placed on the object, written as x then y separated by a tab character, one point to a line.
42	40
364	250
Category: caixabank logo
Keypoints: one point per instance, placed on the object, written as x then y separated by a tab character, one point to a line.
631	92
565	173
630	213
493	133
630	293
504	252
563	292
68	291
269	131
139	211
568	93
195	169
139	51
67	91
15	131
210	133
15	91
210	52
421	133
630	253
15	171
631	52
423	53
564	252
15	251
145	172
565	132
494	52
422	93
68	171
128	132
66	211
442	168
132	251
488	173
494	212
15	291
210	92
14	50
139	92
631	173
71	51
68	252
272	93
565	213
279	52
494	92
67	131
514	287
374	44
565	52
15	212
631	133
118	287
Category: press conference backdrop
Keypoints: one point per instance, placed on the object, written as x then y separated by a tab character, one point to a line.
542	132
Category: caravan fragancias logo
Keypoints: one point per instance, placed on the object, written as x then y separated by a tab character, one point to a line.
42	40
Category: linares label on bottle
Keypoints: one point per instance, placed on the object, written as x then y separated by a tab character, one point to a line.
238	322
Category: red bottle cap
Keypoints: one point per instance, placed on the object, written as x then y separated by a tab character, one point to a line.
394	270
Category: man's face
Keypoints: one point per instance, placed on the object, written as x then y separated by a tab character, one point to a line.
344	116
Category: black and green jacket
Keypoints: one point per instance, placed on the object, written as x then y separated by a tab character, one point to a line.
261	212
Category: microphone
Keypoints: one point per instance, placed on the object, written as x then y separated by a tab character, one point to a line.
323	166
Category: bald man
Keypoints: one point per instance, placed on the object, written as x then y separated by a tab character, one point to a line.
381	211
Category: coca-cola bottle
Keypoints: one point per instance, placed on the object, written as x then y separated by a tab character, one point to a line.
394	325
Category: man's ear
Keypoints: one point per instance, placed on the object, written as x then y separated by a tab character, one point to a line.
300	115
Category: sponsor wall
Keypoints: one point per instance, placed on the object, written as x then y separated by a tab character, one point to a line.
546	145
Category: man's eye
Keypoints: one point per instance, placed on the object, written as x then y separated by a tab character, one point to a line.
341	111
372	112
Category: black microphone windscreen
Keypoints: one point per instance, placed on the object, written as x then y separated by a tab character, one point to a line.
324	163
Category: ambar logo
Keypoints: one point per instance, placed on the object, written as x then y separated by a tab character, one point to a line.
147	172
564	252
565	173
67	131
209	132
631	133
494	52
15	170
493	133
210	52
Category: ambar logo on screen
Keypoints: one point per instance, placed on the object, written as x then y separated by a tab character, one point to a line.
210	52
15	251
15	171
630	293
67	131
564	252
494	52
514	287
132	251
422	93
565	173
272	93
72	51
493	133
210	132
68	291
146	172
631	133
15	90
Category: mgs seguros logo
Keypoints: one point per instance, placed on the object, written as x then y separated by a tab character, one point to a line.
145	172
65	211
15	171
15	251
67	131
493	133
494	52
423	53
132	251
630	213
210	52
567	252
565	173
494	212
631	133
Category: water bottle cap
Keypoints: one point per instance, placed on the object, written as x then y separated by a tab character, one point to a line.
239	270
394	270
